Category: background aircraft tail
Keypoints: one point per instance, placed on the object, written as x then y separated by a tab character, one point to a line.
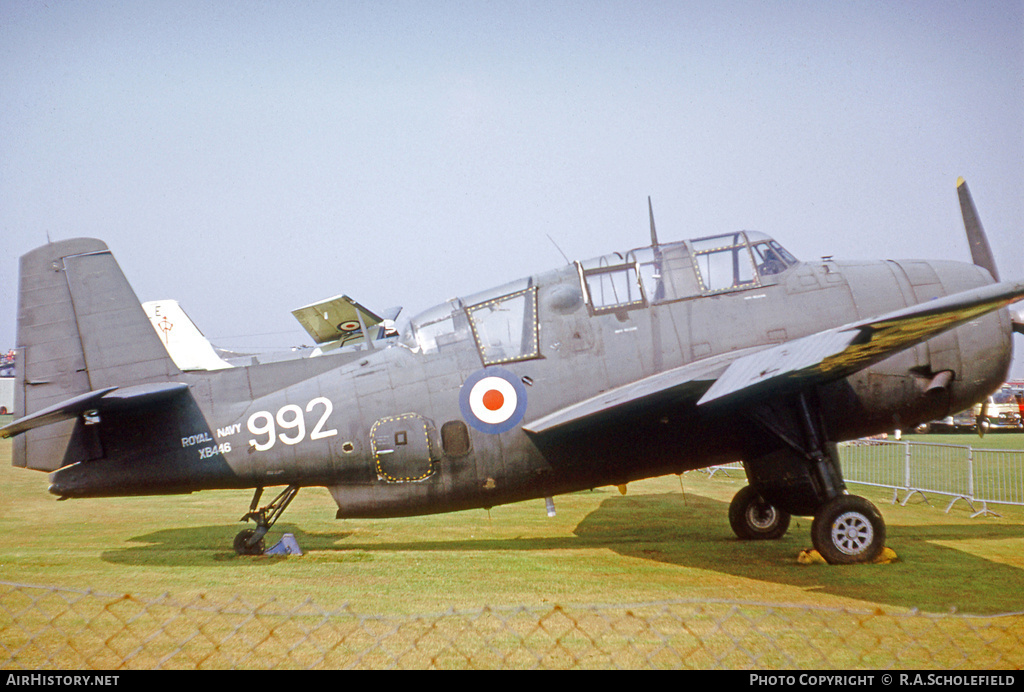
81	329
186	345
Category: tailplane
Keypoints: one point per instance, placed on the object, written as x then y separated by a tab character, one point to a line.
81	334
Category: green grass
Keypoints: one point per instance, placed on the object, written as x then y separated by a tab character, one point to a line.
666	539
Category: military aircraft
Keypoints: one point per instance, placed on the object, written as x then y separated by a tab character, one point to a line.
670	357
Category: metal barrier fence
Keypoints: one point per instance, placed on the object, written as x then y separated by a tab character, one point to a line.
49	628
979	477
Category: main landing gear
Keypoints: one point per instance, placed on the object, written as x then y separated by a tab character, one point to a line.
794	470
753	519
250	541
846	530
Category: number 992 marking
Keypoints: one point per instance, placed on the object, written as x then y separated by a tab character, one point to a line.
291	420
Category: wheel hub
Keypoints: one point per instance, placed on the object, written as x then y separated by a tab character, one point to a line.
852	533
762	516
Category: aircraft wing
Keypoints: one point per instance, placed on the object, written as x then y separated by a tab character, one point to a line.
821	357
686	382
336	318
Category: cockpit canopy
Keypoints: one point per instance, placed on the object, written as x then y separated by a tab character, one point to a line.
686	269
504	321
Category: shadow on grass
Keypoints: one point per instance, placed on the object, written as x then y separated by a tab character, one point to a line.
689	531
927	576
210	546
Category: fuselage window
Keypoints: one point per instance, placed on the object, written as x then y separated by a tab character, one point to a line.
505	328
455	438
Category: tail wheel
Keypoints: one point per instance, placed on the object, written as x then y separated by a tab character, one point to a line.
848	530
242	546
754	519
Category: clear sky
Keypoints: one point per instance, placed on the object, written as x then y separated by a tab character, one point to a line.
248	158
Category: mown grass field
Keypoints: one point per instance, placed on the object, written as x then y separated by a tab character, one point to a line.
666	539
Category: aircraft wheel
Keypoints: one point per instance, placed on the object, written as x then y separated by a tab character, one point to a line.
754	519
242	538
848	530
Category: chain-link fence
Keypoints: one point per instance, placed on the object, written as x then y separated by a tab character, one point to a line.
51	628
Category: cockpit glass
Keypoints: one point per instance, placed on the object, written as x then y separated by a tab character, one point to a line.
724	263
677	271
666	272
768	260
435	328
505	328
502	321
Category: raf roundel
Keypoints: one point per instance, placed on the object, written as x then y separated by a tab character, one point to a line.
493	400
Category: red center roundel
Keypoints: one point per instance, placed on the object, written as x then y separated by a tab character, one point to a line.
493	400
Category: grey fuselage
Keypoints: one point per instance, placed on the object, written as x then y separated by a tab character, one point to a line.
386	429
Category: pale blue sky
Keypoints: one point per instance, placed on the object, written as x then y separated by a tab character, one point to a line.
247	158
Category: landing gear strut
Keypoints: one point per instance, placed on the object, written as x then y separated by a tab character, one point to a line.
250	541
794	470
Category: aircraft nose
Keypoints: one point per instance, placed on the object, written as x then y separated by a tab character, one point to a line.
955	277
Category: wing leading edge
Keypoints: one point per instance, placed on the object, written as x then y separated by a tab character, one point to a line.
827	355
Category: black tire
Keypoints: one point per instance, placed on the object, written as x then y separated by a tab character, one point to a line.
753	519
243	538
848	530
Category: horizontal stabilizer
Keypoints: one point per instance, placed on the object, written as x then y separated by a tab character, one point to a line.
100	400
335	318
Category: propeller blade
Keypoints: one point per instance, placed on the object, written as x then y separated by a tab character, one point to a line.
981	254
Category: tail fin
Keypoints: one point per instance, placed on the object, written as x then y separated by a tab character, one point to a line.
80	330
